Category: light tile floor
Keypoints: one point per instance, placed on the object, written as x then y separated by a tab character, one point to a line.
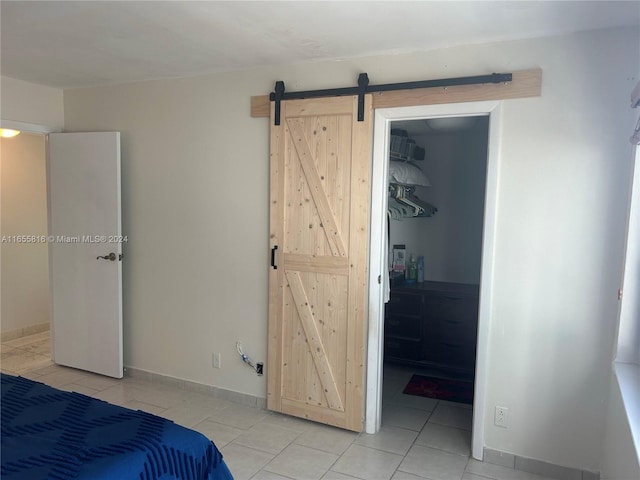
421	438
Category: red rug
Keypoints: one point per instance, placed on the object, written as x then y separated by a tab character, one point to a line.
440	388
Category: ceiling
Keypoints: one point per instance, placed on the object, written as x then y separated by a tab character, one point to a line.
68	44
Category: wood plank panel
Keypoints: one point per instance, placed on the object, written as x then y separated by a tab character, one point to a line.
325	264
260	106
330	225
321	300
312	412
358	304
328	105
526	83
275	350
316	347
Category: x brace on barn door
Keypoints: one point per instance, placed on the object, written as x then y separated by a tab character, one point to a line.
363	88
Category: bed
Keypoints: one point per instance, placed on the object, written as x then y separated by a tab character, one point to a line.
52	434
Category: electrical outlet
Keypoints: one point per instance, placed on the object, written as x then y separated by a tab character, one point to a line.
215	360
501	417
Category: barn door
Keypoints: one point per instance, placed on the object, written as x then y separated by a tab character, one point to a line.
319	216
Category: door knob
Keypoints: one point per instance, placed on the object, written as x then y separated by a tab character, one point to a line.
111	256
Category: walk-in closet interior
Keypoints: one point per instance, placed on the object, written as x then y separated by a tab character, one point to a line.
437	174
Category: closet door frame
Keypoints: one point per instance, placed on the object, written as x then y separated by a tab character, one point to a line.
378	257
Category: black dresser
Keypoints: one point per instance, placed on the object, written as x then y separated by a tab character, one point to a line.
432	324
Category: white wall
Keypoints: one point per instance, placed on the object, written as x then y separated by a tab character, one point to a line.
30	103
451	240
195	210
620	460
195	199
24	269
24	278
563	180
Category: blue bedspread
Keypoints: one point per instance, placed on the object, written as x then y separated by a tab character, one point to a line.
52	434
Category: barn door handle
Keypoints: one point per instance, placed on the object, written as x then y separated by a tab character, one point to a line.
273	257
111	256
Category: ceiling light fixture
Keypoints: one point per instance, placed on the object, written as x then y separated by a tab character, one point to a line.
8	132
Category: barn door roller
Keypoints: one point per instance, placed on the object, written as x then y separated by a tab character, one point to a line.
363	88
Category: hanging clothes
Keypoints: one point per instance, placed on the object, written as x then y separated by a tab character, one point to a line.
404	204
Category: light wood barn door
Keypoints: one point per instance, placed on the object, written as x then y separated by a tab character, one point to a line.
319	217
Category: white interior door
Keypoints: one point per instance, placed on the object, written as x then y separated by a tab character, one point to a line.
83	175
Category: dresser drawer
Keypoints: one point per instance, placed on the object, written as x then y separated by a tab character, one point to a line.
432	324
405	303
402	349
403	326
452	311
453	331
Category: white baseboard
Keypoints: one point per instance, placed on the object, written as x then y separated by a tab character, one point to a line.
230	395
537	467
23	332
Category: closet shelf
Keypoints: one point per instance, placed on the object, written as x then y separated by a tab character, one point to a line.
404	148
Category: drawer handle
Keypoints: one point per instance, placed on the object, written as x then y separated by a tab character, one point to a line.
452	345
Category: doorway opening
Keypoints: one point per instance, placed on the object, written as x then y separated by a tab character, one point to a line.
57	240
25	265
456	250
